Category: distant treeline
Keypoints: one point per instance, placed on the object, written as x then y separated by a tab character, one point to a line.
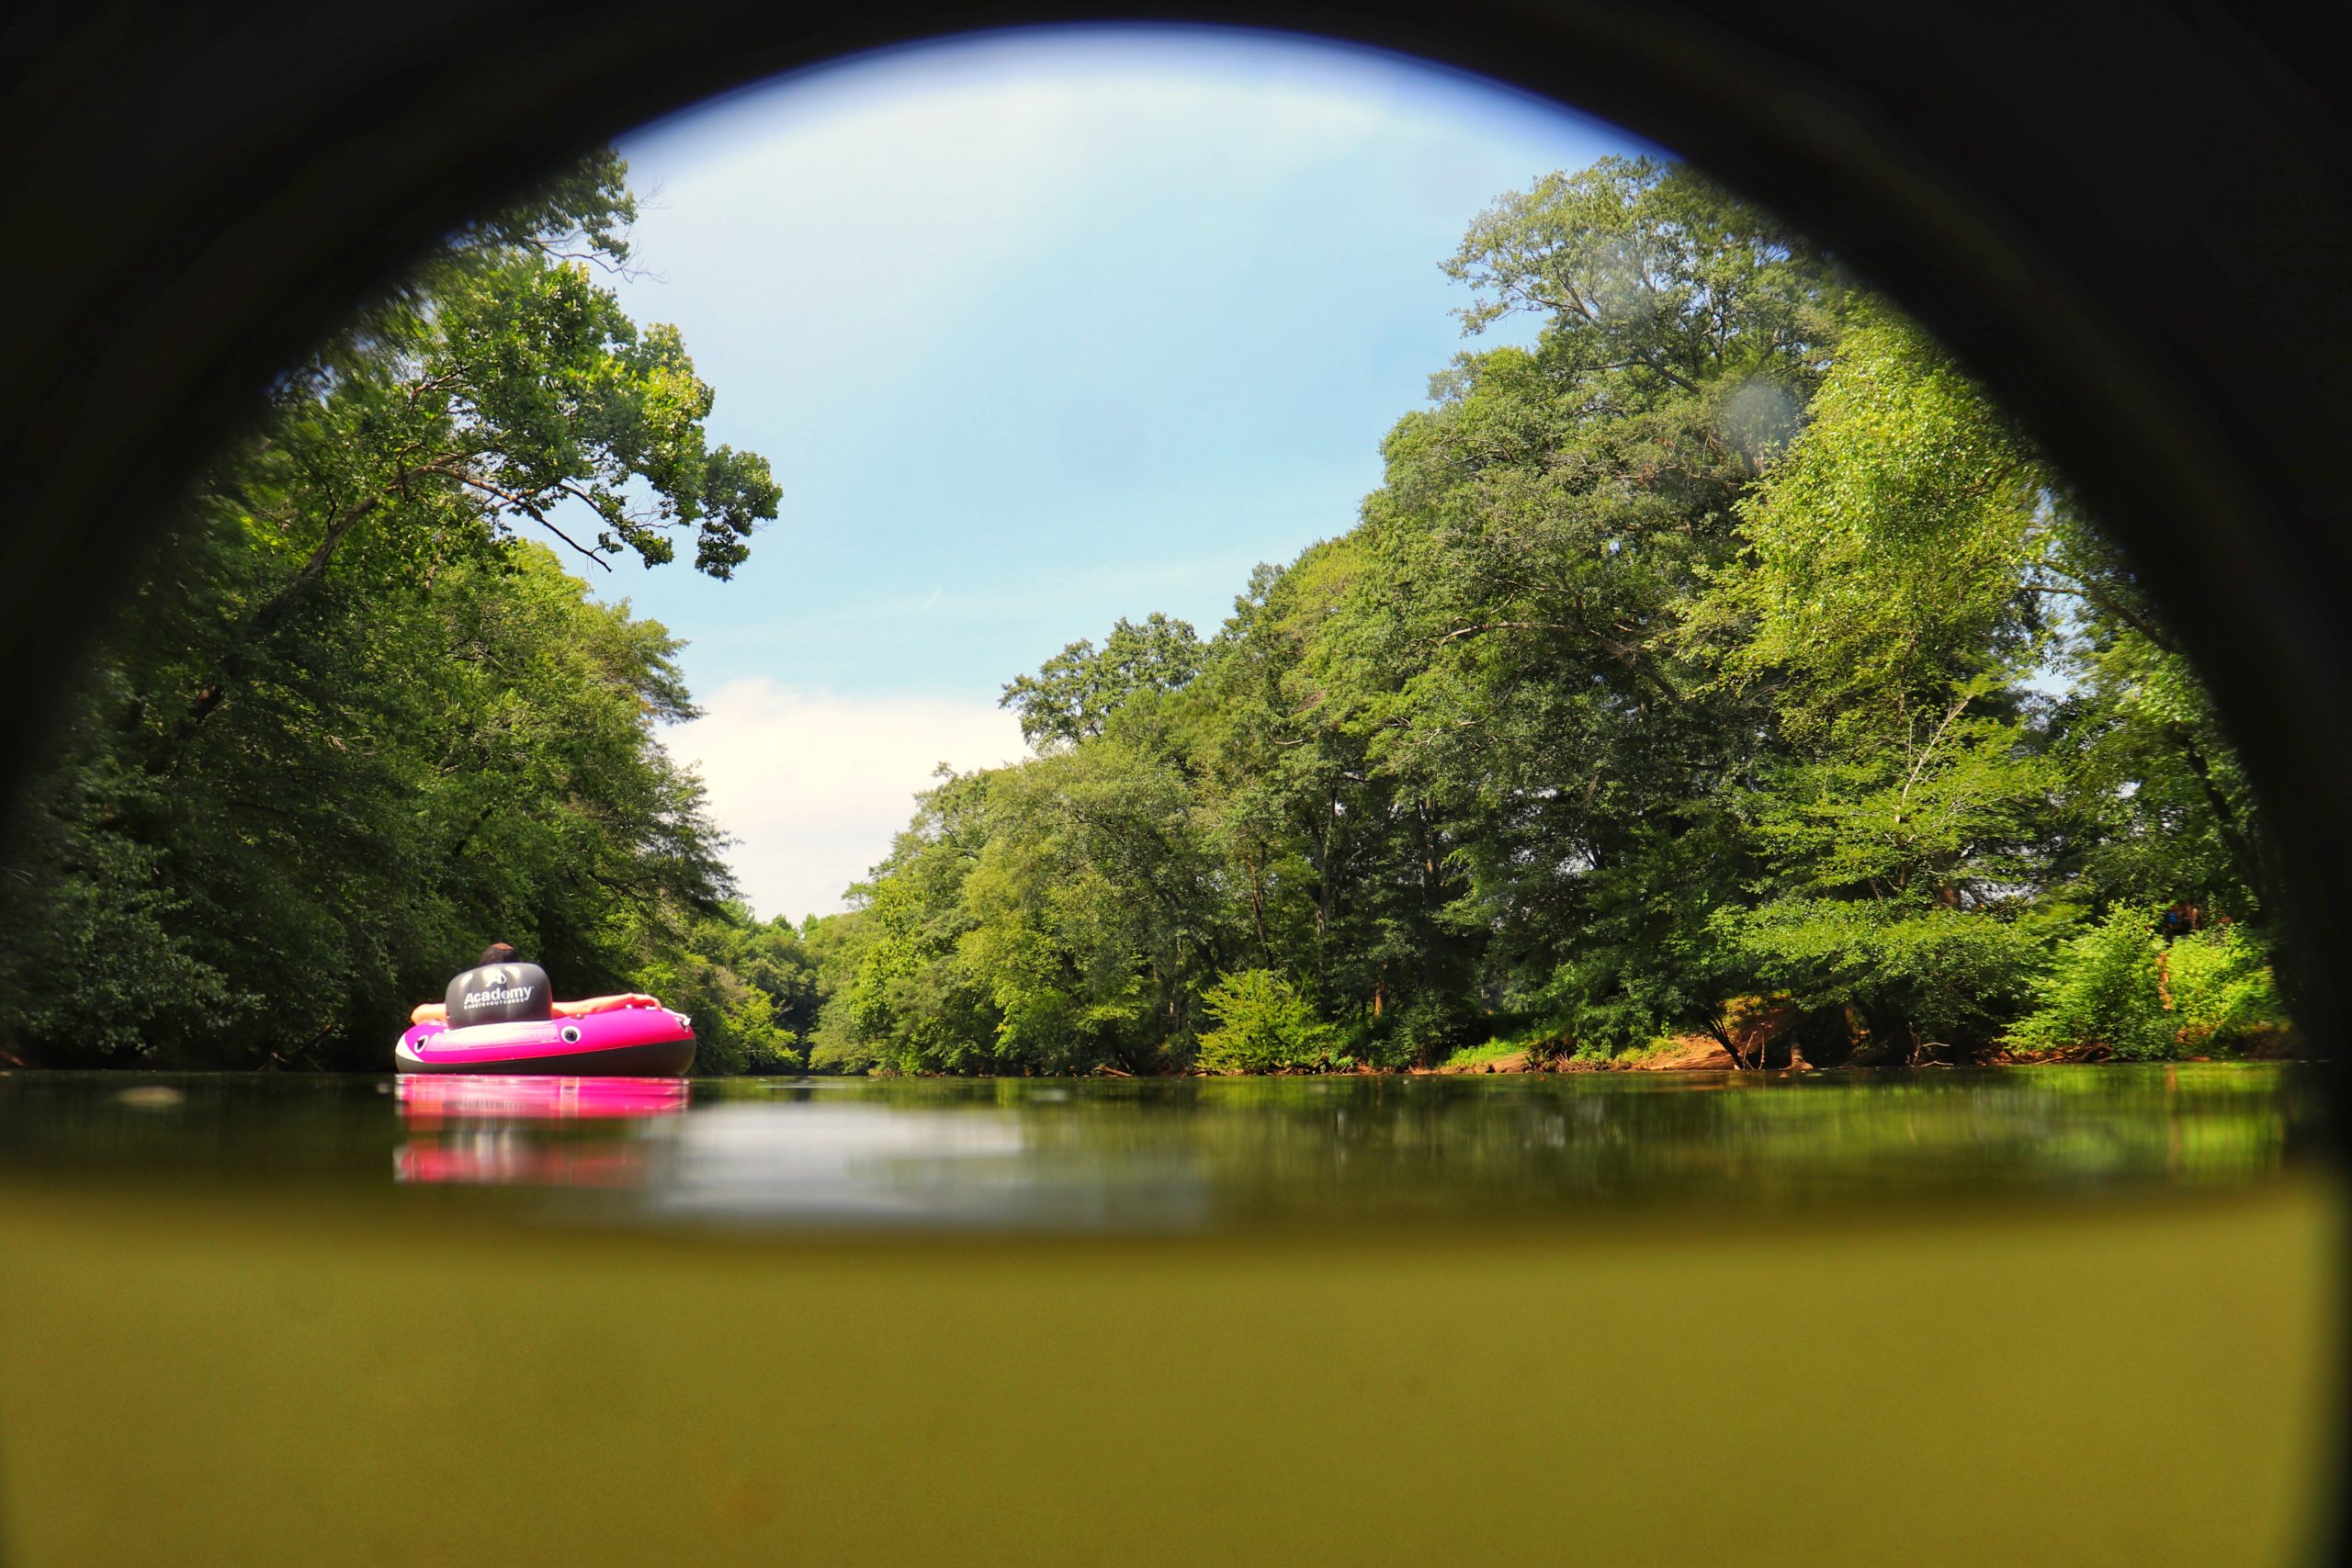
1725	664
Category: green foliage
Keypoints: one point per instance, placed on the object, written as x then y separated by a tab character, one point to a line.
750	985
1645	269
2125	986
1914	978
1471	1057
2222	991
1264	1025
1053	916
357	724
1725	642
1074	693
1886	551
2102	990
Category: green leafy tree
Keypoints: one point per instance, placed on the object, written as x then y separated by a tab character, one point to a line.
1072	695
750	987
1264	1025
1912	572
2123	987
1542	534
1726	654
359	719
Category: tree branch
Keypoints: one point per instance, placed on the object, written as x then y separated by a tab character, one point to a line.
2089	595
520	504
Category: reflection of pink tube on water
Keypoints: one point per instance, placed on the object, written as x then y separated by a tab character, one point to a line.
499	1162
430	1097
460	1139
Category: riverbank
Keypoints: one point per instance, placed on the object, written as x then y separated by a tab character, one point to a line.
1703	1054
1685	1054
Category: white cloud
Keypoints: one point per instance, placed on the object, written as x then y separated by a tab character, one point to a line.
812	785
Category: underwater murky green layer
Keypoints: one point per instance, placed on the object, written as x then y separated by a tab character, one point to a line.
1169	1154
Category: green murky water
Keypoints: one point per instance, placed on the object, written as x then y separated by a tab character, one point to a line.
2086	1314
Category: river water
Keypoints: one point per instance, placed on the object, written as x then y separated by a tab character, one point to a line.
1154	1156
2082	1315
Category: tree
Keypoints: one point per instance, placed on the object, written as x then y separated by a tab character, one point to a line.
1727	655
1915	583
1542	533
1264	1025
1073	694
355	720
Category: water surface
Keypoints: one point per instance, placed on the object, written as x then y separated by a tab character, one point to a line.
1158	1155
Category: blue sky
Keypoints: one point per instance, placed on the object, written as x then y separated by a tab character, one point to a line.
1039	330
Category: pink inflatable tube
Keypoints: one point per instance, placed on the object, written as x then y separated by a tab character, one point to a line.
645	1041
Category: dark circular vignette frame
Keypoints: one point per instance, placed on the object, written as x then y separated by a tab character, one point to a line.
202	199
2134	223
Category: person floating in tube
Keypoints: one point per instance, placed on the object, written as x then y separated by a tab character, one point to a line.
500	988
499	1018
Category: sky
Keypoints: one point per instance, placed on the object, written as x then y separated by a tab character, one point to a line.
1038	330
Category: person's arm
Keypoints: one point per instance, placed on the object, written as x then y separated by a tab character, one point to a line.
588	1004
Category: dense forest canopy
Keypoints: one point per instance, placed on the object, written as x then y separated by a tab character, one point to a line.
1723	664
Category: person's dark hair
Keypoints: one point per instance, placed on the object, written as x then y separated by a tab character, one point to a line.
498	952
